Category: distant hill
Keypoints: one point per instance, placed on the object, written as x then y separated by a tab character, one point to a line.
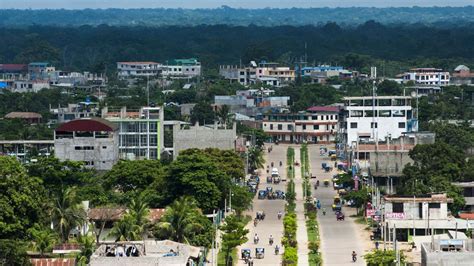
439	16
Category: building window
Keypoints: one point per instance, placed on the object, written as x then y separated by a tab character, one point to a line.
354	125
315	127
434	205
271	126
397	207
304	127
373	125
401	125
280	127
104	147
290	127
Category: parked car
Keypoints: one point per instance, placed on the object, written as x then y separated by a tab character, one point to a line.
262	194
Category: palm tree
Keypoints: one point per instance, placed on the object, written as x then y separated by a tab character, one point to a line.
67	213
223	114
87	243
43	239
256	159
179	221
139	211
134	224
125	229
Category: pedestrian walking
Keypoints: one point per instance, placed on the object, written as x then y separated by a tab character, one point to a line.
376	244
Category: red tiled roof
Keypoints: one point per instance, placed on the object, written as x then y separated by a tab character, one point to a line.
115	214
467	215
323	109
53	262
13	67
87	124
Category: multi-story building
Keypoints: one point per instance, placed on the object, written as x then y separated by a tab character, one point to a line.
40	70
182	68
140	131
22	86
427	76
426	214
384	161
93	141
330	71
375	118
202	137
462	75
266	73
468	193
74	111
138	69
319	124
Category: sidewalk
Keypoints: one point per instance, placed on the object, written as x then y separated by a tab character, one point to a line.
301	233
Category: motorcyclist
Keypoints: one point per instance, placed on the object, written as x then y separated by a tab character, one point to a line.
255	239
279	215
354	256
270	240
277	249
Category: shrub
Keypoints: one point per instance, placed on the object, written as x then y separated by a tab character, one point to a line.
313	246
290	257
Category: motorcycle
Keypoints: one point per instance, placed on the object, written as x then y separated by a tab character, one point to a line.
270	241
255	240
255	222
277	250
354	258
279	216
281	163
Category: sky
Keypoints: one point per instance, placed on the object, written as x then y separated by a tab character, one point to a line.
81	4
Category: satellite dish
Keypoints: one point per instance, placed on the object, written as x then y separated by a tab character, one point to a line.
413	94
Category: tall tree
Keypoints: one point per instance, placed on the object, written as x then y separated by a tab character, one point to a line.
67	213
234	235
22	199
202	113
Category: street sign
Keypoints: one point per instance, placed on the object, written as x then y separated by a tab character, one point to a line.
370	212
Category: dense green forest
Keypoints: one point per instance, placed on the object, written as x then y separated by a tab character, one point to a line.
391	48
351	16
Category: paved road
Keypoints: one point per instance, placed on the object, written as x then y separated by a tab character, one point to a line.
338	238
271	225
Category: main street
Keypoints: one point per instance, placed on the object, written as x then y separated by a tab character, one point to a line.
338	238
270	225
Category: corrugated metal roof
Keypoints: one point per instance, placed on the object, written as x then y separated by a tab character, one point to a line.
87	124
23	115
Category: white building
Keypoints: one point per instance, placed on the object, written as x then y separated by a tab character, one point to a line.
140	131
138	69
270	74
23	86
182	68
319	124
364	120
427	214
427	76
